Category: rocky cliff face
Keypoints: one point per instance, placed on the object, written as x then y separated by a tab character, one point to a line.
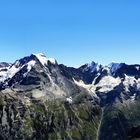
29	118
40	99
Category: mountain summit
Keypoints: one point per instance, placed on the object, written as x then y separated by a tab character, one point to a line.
41	99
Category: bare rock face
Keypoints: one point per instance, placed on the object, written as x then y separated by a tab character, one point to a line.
40	99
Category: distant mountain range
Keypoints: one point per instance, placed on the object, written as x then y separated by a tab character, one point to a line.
43	100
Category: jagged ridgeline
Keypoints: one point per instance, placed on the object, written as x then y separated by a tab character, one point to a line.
43	100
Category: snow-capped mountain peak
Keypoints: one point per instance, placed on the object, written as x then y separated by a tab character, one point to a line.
92	67
44	60
25	65
114	67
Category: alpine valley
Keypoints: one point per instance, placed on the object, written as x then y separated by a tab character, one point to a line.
43	100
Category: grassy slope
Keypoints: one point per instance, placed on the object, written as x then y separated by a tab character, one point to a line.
57	119
121	122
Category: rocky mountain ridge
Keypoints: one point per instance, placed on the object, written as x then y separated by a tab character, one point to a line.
41	99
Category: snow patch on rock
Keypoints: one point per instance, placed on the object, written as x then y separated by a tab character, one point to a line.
89	87
69	100
30	65
137	67
133	98
129	81
82	84
11	71
108	83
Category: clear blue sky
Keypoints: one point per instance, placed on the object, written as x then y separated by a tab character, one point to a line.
72	31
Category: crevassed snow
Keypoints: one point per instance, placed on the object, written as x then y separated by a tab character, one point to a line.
42	58
108	83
